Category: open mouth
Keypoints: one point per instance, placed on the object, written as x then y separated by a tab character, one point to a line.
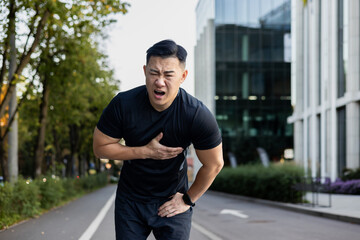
159	93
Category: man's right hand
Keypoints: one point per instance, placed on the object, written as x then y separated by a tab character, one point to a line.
155	150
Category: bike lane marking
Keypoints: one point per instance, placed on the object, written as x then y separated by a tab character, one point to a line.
97	221
234	212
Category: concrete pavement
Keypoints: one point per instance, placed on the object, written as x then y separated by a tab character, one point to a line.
342	207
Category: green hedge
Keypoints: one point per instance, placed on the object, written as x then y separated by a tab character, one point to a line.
28	198
274	183
350	174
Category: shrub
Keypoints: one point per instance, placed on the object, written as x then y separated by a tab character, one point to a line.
273	183
26	198
7	212
71	188
350	174
345	187
51	191
92	182
18	201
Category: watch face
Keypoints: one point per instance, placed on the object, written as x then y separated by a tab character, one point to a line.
187	200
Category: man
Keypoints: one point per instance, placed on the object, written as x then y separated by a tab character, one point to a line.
158	122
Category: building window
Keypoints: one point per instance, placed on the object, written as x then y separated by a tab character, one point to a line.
341	139
342	45
252	77
318	146
319	54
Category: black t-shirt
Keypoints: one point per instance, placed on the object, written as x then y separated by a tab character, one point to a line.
130	115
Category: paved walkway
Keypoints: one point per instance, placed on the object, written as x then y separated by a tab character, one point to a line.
342	207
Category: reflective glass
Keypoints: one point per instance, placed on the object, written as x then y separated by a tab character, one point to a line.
241	7
252	76
254	13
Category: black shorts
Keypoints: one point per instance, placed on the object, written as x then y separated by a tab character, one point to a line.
135	221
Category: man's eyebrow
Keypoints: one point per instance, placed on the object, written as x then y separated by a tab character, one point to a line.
154	70
165	72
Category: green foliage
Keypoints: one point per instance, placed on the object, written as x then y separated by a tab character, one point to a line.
350	174
51	191
71	187
273	183
93	181
18	201
7	212
28	198
68	56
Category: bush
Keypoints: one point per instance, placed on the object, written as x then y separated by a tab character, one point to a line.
27	198
345	187
7	212
93	182
71	188
350	174
51	191
273	183
18	201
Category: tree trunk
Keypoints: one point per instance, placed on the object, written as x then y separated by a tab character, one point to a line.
58	154
11	18
40	144
13	165
23	62
3	161
74	149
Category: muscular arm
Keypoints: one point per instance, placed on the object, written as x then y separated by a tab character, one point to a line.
110	148
212	160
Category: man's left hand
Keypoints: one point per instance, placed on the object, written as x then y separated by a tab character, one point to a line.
173	207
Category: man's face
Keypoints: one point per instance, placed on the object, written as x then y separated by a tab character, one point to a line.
163	79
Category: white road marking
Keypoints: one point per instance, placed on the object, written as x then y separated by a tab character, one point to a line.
206	232
97	221
236	213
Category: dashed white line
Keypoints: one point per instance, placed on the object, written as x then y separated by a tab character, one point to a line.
236	213
97	221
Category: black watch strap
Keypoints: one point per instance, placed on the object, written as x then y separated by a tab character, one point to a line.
187	200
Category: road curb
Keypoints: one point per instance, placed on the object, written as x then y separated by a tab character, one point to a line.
292	207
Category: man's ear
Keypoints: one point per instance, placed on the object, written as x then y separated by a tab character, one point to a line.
144	67
184	75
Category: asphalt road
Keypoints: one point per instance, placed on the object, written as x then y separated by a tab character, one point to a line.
215	218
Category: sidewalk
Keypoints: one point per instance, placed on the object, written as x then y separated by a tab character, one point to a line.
343	207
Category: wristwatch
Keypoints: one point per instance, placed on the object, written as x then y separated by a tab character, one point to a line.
187	200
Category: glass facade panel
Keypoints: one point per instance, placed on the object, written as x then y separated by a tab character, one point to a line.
341	134
254	13
265	7
320	58
318	144
342	46
253	78
241	13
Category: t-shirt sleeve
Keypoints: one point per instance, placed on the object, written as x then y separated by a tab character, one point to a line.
205	130
110	119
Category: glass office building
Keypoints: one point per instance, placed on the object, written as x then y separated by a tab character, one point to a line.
326	87
242	72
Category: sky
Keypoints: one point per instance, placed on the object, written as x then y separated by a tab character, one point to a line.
148	22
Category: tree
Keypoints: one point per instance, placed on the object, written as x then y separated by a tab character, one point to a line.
87	87
58	20
77	28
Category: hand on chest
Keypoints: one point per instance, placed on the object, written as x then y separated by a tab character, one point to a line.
141	130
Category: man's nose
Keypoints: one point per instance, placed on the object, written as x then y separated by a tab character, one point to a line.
160	81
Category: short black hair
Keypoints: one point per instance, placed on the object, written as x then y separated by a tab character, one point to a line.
167	48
